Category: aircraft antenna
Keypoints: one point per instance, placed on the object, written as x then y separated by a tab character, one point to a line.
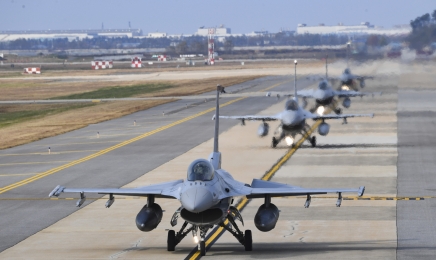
217	117
295	81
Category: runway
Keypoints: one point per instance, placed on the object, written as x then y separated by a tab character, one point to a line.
379	153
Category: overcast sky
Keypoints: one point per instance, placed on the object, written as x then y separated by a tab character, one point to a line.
176	16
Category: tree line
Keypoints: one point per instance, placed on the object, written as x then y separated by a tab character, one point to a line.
191	44
423	31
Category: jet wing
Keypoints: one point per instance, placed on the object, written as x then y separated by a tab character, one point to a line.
165	190
349	93
332	116
362	77
305	93
253	118
259	189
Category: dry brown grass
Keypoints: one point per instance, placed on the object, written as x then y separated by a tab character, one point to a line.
124	68
56	124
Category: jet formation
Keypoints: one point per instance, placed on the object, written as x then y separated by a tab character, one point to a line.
293	117
207	194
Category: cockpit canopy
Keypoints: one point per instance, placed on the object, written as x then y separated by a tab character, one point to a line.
291	105
322	85
200	170
347	71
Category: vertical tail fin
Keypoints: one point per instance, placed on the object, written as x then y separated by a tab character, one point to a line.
295	82
326	68
217	119
215	156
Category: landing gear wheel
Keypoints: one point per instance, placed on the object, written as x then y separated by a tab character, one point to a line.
313	141
274	142
248	244
338	111
202	248
171	242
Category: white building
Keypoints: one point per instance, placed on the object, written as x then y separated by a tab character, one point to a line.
69	34
363	28
157	35
221	31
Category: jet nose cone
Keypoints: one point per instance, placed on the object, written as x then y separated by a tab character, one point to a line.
289	118
197	199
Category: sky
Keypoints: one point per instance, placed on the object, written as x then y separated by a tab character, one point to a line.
177	17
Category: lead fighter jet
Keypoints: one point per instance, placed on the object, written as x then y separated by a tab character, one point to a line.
293	120
206	198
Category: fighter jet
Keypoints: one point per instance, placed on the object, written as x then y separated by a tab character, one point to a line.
206	197
325	95
293	120
348	81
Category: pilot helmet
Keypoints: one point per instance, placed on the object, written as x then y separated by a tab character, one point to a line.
200	170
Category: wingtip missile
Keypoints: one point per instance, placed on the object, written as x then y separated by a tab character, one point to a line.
56	191
81	200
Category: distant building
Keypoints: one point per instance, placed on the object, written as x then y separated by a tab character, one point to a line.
157	35
363	28
69	34
221	31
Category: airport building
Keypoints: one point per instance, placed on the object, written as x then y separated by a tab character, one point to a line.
69	34
220	31
157	35
363	28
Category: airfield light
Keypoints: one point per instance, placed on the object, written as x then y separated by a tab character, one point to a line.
320	110
289	140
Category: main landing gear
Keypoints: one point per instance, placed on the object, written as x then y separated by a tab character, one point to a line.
274	142
313	141
245	239
175	238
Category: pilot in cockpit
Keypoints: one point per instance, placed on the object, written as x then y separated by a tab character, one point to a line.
200	170
322	85
291	105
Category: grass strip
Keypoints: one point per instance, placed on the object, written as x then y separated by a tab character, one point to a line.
14	117
119	91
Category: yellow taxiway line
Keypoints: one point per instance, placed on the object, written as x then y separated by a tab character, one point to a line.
104	151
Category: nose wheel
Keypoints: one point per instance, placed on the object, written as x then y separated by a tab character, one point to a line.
202	248
202	242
